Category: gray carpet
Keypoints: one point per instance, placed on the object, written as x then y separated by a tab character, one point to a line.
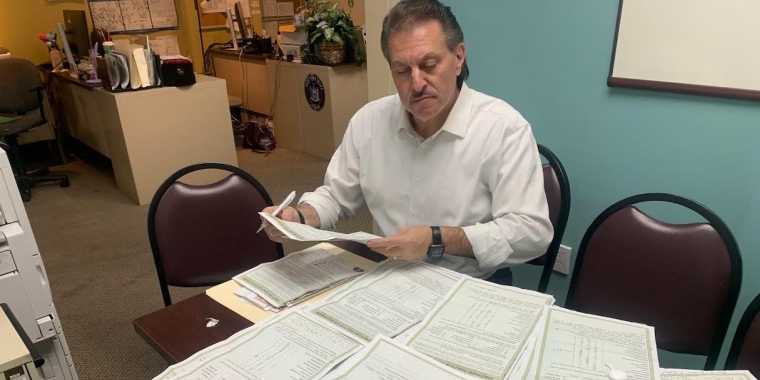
94	245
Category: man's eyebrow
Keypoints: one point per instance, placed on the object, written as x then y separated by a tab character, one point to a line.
425	58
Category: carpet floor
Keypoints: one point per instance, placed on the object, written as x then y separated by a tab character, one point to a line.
95	248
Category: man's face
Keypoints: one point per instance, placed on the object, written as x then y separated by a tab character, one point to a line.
424	70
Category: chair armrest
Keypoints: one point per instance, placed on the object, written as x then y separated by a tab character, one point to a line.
39	90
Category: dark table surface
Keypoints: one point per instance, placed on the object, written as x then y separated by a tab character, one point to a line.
178	331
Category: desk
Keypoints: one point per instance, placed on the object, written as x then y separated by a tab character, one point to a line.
150	134
305	118
179	331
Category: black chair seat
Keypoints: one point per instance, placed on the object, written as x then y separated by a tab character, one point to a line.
30	120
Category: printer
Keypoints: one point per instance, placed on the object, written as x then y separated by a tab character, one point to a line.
24	285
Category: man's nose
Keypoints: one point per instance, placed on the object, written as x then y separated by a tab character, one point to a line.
419	81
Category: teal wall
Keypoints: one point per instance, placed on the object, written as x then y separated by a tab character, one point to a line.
550	60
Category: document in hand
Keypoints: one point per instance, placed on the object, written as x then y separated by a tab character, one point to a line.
302	232
297	276
387	301
573	345
291	345
683	374
385	359
480	328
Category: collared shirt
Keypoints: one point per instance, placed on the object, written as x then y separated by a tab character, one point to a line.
481	171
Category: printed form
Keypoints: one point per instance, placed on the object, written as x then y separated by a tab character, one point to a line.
291	345
302	232
296	275
573	345
388	303
480	328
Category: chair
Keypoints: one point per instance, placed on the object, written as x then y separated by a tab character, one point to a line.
19	81
205	235
557	189
745	350
682	279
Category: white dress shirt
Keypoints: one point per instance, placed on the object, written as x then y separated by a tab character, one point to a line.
480	172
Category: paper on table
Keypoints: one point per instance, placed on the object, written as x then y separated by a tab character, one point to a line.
224	293
574	345
292	344
520	370
480	327
391	303
302	232
683	374
297	274
385	359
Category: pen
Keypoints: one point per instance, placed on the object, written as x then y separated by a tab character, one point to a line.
279	209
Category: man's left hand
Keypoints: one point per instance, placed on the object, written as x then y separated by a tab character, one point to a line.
410	244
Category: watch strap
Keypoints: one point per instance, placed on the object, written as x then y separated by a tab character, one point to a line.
437	239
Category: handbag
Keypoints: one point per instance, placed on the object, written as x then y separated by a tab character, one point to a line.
258	137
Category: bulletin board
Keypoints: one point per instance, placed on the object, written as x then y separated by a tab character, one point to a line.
133	16
703	47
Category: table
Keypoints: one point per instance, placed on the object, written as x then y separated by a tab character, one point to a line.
179	331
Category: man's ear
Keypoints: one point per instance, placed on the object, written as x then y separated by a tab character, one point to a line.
460	53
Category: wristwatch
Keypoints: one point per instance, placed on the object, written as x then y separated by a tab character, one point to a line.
436	248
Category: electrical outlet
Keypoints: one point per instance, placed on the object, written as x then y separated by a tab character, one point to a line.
562	264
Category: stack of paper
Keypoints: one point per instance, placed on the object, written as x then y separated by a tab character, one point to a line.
392	298
481	328
682	374
573	345
294	278
291	346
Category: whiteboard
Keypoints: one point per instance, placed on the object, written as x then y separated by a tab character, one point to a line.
131	16
709	47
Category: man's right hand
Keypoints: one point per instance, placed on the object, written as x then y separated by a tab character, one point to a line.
289	214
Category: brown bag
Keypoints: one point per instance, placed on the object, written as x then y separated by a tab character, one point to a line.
258	137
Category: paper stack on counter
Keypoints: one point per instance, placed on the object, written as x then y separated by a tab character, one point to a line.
294	279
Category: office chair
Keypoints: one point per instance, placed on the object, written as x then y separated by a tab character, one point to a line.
557	189
682	279
745	350
205	235
21	94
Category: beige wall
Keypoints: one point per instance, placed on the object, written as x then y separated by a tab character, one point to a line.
379	81
22	21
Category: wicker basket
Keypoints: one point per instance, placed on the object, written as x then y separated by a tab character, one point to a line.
331	53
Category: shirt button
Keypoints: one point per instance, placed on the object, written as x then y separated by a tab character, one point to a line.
416	179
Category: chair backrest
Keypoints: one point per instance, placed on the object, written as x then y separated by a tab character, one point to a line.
18	77
682	279
557	189
205	235
745	350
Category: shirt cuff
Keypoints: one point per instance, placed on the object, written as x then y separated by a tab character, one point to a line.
489	245
312	200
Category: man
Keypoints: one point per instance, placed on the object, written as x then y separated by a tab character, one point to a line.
451	176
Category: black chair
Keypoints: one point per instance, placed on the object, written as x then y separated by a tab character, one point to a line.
205	235
21	94
682	279
557	189
745	350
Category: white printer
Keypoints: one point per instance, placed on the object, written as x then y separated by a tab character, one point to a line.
23	281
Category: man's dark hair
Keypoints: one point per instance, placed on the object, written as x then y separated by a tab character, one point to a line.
410	13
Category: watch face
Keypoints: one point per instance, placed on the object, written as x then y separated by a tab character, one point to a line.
435	251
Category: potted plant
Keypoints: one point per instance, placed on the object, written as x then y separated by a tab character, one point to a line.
331	34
